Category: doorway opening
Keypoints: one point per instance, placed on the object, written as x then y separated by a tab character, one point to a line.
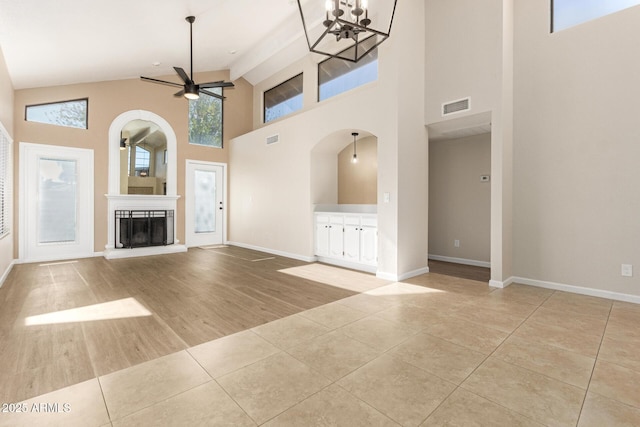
460	201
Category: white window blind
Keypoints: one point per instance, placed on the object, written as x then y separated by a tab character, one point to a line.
5	181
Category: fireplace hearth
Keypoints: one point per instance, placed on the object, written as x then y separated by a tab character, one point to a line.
143	228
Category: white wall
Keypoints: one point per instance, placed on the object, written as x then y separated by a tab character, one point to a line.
463	53
577	150
271	186
6	118
469	53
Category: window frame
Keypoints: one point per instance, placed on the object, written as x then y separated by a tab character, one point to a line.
264	95
349	62
552	16
86	112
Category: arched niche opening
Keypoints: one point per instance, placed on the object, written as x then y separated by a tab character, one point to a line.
335	178
138	121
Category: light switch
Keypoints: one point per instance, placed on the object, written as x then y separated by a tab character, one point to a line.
387	197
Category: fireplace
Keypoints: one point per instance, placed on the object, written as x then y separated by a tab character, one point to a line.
143	228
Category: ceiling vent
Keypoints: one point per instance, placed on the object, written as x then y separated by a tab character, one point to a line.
456	106
273	139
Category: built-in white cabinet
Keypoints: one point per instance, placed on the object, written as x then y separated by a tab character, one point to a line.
347	239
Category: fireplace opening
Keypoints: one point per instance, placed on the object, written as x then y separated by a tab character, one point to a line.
142	228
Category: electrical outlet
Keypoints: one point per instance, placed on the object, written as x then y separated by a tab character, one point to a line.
456	243
627	270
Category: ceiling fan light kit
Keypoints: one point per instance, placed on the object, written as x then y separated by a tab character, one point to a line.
346	29
191	90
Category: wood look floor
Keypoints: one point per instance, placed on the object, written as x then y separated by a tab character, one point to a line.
463	271
192	298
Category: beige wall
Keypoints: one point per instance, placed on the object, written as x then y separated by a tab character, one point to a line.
577	150
6	118
109	99
459	203
358	182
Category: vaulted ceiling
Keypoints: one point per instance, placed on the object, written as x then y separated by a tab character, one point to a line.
72	41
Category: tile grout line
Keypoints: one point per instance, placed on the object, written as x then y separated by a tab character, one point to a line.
491	354
595	362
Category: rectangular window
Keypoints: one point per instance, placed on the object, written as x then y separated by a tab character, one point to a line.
283	99
5	182
67	113
567	13
336	75
205	119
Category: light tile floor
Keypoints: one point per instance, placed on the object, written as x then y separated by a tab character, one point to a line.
439	351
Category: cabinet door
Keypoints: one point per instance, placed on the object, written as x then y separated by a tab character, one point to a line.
352	243
336	245
369	245
322	239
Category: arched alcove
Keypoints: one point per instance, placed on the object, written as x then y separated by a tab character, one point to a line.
325	165
114	148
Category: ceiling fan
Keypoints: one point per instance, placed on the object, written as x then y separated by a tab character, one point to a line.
190	89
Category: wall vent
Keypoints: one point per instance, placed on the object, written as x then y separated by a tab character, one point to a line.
273	139
457	106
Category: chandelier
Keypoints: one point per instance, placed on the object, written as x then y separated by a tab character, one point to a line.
346	29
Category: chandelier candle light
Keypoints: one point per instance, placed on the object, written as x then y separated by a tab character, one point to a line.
346	29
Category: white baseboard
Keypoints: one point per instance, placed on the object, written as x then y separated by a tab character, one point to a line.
499	284
601	293
400	277
273	251
460	261
6	273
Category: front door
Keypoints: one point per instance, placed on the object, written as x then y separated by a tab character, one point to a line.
56	202
204	209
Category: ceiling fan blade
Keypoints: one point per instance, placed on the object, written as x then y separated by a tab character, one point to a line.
215	95
216	84
162	82
183	75
179	94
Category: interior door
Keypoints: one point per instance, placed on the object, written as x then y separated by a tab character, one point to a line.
205	203
56	202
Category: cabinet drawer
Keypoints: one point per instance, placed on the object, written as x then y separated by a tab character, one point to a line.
351	220
369	222
335	219
322	219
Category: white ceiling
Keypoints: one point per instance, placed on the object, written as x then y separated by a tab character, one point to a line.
72	41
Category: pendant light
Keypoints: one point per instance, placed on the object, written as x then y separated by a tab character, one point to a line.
354	159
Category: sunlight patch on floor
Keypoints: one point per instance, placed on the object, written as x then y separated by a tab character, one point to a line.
400	288
338	277
119	309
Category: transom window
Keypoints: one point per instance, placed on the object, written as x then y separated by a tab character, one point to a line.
336	76
66	113
205	119
567	13
283	99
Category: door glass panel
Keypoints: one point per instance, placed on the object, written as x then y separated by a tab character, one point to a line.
57	201
205	201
